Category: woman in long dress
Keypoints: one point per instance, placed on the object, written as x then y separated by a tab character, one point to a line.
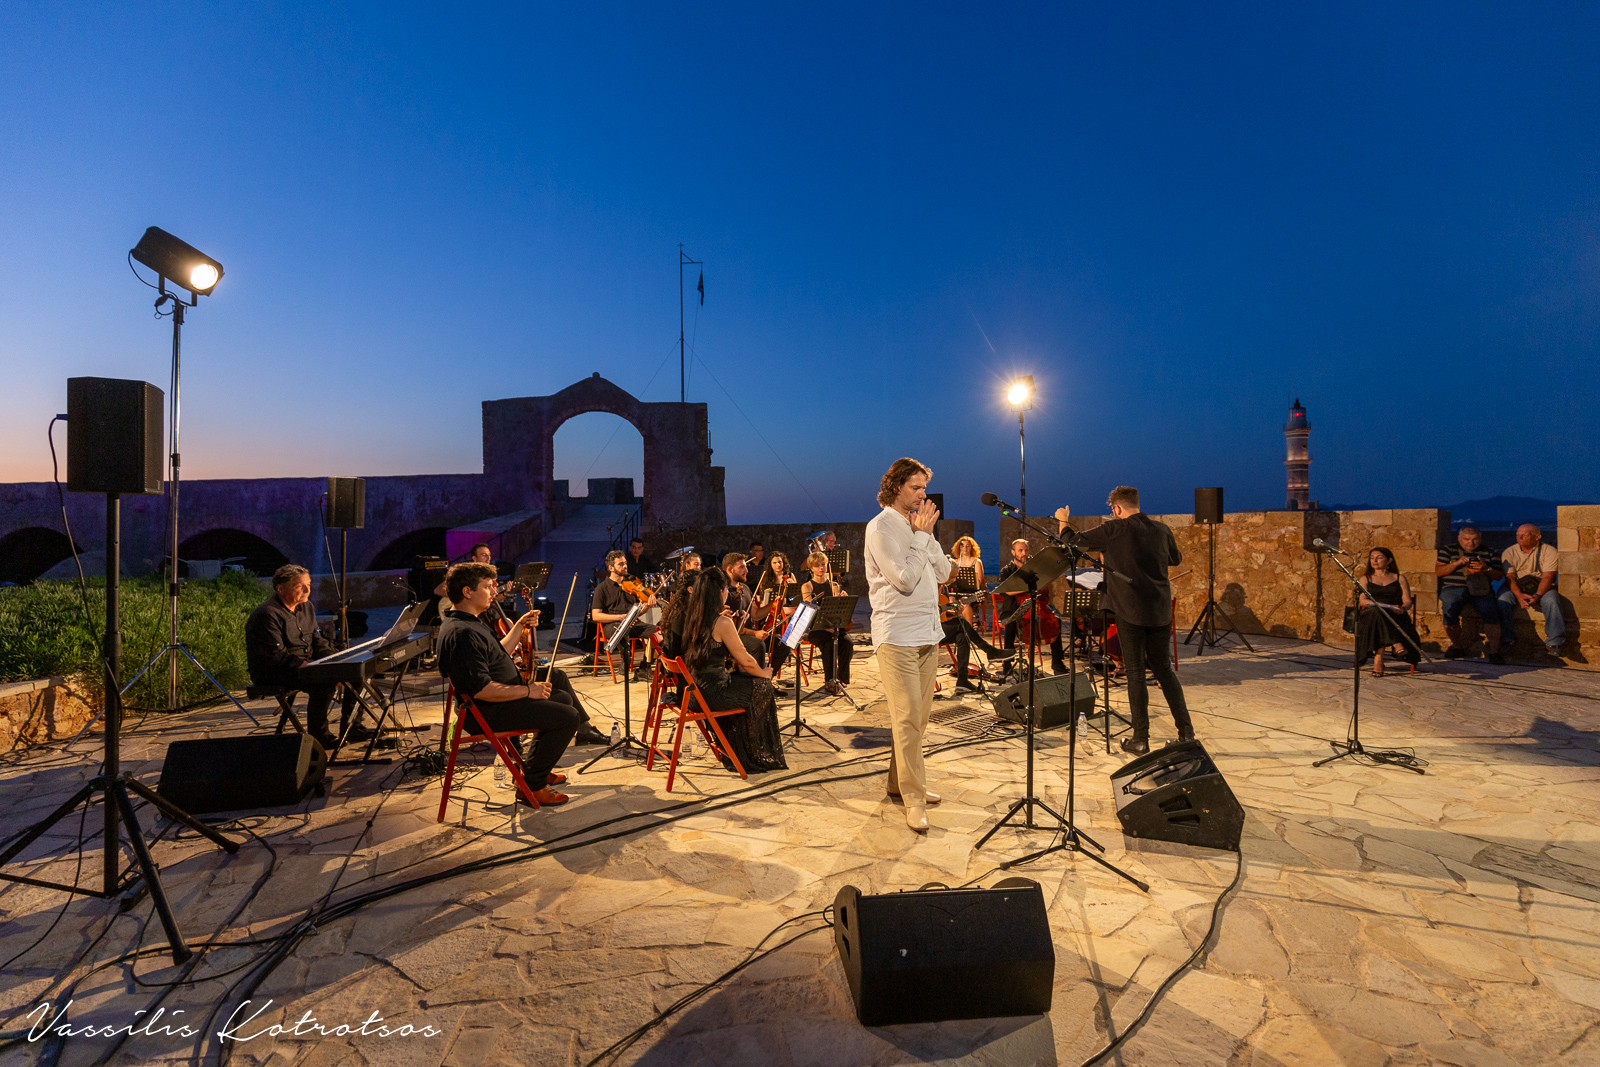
710	640
1385	618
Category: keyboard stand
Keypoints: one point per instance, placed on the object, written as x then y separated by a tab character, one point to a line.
385	705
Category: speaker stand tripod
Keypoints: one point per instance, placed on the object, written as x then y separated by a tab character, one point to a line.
114	786
1206	625
1351	747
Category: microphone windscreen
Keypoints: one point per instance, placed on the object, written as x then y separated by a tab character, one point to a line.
989	500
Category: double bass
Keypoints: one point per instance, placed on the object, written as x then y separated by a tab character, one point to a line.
1049	622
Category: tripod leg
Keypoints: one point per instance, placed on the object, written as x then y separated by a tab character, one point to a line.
177	814
152	876
1234	629
1007	817
81	796
219	686
1119	872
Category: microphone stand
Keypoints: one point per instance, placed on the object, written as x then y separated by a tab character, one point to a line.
1351	746
1072	838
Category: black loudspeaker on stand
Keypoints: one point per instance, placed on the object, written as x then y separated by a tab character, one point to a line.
1177	794
937	954
1208	513
114	475
345	509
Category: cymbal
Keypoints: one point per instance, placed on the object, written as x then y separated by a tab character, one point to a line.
684	551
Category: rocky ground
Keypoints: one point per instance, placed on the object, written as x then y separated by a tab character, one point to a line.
1383	916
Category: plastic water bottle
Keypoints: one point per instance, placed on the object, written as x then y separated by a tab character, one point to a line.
1083	725
499	771
616	732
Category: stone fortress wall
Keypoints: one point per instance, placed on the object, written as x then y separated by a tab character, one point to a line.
1270	580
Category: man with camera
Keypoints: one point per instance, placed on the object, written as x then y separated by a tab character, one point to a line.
1466	572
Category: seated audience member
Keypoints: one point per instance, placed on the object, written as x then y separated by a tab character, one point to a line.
1531	582
1385	619
1466	572
280	637
479	665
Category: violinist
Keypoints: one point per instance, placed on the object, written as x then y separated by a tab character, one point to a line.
776	594
616	596
1058	656
741	605
1137	551
834	645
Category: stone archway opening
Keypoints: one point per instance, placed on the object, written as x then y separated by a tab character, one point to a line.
602	447
27	553
402	552
259	556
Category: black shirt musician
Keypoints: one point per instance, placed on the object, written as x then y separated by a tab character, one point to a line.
612	603
639	564
1137	551
280	636
479	666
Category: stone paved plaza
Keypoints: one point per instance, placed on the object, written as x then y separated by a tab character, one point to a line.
1383	916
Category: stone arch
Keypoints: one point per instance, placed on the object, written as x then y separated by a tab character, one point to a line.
680	485
29	552
261	557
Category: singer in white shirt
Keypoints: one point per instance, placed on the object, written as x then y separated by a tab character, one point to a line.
905	566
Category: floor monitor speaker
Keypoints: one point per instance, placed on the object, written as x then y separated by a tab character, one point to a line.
1177	794
1208	506
113	436
1059	702
936	954
347	504
236	773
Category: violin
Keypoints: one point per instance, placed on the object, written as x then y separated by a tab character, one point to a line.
635	588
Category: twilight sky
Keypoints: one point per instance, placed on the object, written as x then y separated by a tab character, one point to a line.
1177	217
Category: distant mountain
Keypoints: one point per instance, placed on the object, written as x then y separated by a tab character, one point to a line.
1506	512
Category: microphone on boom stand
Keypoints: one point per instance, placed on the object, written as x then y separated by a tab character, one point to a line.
990	500
1320	543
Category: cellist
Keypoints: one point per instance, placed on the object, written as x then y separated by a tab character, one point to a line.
1019	556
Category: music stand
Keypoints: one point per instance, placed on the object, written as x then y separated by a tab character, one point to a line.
1044	567
838	560
619	637
829	613
534	576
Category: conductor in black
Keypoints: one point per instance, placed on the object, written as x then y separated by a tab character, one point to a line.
1137	551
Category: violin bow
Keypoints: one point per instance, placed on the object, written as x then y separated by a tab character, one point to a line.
551	667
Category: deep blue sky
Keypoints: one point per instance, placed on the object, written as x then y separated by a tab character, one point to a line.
1177	217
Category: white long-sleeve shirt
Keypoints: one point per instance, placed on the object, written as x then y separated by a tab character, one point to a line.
904	569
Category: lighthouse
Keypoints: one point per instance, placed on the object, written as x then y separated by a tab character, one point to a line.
1297	461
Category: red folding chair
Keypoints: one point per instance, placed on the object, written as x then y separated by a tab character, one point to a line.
600	649
686	714
659	679
470	728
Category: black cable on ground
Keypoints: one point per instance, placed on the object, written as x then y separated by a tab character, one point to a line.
1155	998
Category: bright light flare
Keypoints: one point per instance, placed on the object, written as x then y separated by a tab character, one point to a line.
203	277
1021	391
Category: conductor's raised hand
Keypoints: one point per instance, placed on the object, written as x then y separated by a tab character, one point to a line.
1063	513
924	517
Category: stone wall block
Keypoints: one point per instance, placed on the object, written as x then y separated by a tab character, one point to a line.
1589	585
1567	539
1588	539
1384	517
1418	561
1574	515
1580	562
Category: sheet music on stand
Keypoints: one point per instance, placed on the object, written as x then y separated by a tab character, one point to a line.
964	580
620	634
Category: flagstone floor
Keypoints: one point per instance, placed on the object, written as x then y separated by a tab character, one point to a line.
1382	917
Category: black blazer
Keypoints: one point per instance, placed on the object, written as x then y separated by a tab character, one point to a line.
277	641
1141	549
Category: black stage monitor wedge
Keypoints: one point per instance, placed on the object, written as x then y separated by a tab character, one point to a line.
1054	696
239	773
1208	506
1177	794
936	954
347	504
113	436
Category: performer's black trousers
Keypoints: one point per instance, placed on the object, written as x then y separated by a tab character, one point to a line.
1150	645
318	699
836	650
965	635
556	722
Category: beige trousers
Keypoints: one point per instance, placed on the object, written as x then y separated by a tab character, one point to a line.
907	675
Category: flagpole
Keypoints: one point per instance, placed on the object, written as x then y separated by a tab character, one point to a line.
682	260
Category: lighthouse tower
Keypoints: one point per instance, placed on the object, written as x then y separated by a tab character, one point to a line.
1297	436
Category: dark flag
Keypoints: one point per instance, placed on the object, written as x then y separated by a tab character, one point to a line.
702	288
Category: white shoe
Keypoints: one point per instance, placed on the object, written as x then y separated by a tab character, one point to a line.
931	798
917	818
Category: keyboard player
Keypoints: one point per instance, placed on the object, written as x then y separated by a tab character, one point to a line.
479	665
281	635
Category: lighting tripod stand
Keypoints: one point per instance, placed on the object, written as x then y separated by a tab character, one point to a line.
113	785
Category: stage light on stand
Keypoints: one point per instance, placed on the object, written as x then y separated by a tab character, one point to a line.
178	261
1021	392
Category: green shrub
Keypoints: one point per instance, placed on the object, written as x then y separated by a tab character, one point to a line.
43	633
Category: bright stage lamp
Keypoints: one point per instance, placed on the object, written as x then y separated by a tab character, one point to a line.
178	261
1021	391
